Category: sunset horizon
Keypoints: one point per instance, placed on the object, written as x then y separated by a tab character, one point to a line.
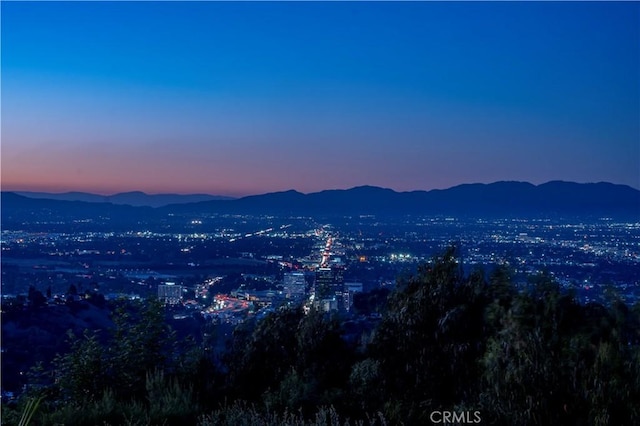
223	193
243	98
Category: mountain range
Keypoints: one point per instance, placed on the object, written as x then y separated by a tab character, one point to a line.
499	198
496	199
134	198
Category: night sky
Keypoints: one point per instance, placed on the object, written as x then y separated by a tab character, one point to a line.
245	98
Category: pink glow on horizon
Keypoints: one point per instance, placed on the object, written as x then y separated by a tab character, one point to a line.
235	189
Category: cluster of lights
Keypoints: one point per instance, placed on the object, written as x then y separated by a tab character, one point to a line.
400	256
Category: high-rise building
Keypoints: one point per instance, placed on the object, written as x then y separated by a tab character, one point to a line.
329	285
294	285
349	290
169	293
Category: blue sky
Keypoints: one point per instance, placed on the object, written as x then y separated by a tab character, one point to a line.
240	98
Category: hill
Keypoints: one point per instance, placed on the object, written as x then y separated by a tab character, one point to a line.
496	199
134	198
500	198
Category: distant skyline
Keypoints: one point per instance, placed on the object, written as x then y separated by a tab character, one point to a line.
239	98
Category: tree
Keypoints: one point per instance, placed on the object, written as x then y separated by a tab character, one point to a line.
36	298
429	339
320	371
552	361
142	342
81	372
260	359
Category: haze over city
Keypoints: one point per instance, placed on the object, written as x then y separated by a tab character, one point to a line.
247	98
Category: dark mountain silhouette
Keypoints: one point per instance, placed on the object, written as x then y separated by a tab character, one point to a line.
500	198
134	198
66	196
16	209
496	199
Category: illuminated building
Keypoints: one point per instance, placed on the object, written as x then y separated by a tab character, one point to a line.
294	285
349	290
169	293
329	286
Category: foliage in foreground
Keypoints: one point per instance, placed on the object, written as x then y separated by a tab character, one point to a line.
447	341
